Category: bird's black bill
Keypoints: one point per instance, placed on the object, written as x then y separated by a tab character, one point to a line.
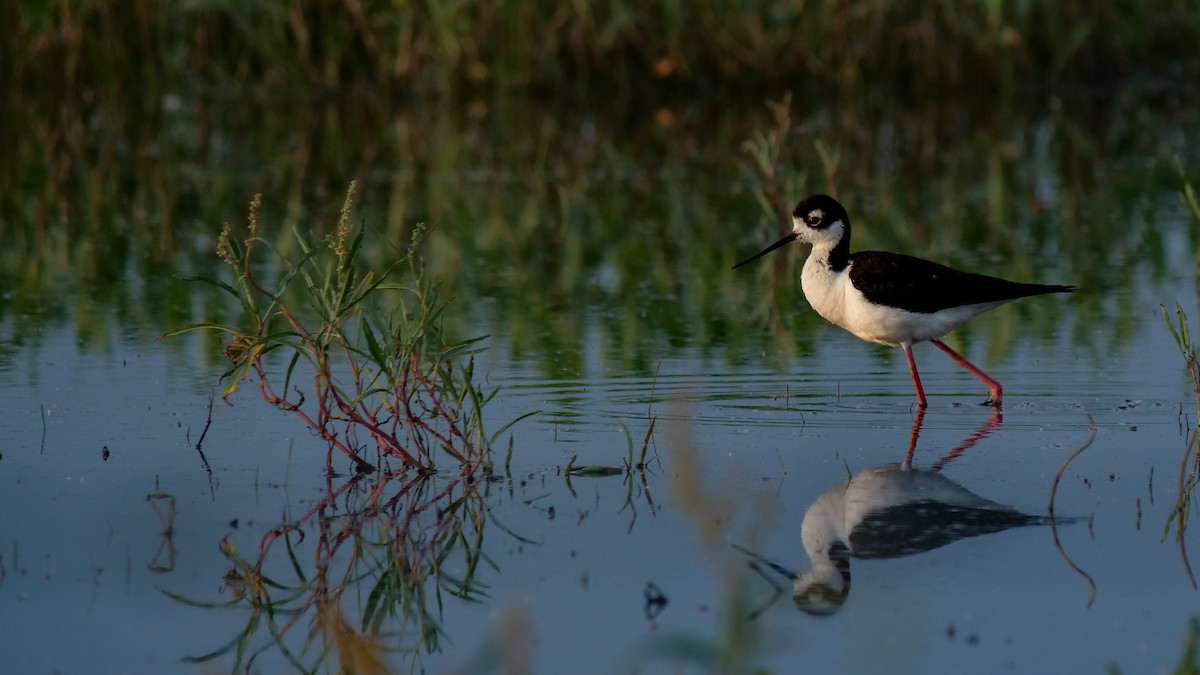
786	240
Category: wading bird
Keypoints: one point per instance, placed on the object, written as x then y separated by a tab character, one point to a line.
892	298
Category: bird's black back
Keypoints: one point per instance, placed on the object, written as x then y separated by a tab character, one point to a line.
923	286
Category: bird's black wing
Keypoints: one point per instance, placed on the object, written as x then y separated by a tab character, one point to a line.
923	286
924	525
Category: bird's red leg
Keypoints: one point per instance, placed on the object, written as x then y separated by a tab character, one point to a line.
912	439
912	368
993	386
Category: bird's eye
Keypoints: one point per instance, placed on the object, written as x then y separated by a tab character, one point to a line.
813	220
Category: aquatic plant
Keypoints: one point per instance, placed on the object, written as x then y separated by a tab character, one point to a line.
360	357
381	367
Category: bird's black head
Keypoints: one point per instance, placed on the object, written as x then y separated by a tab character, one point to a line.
818	212
821	221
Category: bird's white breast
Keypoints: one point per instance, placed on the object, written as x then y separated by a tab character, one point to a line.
836	299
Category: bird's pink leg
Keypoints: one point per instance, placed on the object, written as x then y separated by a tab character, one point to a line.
993	386
912	369
912	438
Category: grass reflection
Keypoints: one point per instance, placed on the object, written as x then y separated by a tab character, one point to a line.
553	221
383	556
371	578
1189	467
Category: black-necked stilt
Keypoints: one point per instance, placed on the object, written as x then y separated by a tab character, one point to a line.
891	298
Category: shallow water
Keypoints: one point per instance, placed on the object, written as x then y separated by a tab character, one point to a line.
622	327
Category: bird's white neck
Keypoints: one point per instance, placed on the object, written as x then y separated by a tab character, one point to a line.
831	245
823	286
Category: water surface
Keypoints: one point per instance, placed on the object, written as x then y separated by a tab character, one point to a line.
609	305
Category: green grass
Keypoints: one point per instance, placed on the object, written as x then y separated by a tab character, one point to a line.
597	47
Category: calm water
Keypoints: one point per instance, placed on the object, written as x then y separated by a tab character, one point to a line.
755	419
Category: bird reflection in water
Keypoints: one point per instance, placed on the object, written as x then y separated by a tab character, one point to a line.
888	511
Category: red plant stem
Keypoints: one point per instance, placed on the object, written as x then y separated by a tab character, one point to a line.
447	443
269	395
380	436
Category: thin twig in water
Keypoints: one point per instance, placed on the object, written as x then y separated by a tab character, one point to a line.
645	444
1053	526
42	451
653	386
653	418
1181	506
207	424
167	541
212	490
